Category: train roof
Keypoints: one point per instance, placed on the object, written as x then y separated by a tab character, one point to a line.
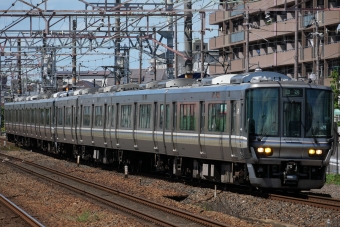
230	82
260	75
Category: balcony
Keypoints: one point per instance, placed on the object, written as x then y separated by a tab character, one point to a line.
218	17
331	51
331	17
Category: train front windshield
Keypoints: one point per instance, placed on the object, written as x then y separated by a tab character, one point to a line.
263	105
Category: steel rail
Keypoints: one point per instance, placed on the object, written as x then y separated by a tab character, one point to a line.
174	211
316	201
20	212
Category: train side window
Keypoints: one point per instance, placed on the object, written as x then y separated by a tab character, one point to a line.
161	116
187	117
113	117
68	115
36	117
32	116
19	115
86	115
125	120
98	116
47	116
60	116
108	116
28	117
217	117
165	113
144	115
42	116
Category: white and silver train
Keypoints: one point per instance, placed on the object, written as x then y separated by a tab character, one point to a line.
260	129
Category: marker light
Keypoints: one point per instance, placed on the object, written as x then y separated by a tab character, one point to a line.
311	151
318	152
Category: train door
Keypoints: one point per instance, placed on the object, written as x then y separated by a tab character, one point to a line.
174	127
44	121
160	127
154	126
134	124
76	121
59	126
235	129
34	122
49	123
73	123
66	113
80	120
106	124
40	120
201	129
25	123
92	124
117	114
20	126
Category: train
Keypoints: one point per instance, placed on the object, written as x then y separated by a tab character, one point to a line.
261	129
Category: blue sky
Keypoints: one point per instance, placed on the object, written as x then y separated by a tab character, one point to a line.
102	56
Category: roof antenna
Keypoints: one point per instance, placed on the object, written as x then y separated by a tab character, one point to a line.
258	68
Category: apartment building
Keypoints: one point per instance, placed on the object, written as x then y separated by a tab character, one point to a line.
272	37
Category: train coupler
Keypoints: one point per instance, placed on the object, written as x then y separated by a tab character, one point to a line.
290	176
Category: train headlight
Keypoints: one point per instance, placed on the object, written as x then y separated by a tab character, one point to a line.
265	150
311	151
319	152
260	149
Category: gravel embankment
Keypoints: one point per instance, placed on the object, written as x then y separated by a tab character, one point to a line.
56	207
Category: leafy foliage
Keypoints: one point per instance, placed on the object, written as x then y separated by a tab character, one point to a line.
333	179
335	85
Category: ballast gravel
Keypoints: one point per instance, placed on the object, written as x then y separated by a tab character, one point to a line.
53	206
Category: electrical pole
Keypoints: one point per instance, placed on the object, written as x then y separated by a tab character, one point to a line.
188	37
117	47
176	48
43	54
296	62
202	42
74	57
317	49
140	60
154	56
19	68
246	24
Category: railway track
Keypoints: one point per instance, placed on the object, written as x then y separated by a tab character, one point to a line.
19	212
312	200
147	210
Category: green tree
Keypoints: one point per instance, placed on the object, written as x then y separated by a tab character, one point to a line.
335	85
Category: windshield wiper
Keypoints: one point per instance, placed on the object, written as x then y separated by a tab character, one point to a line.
262	134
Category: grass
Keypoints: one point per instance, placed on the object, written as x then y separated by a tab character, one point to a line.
84	217
333	179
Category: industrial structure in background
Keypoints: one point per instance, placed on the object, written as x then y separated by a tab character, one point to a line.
293	37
